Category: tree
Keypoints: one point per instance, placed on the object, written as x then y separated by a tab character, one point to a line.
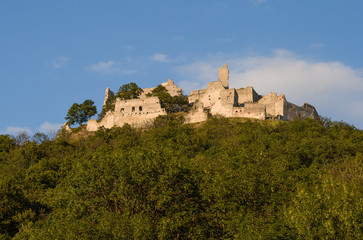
22	138
173	104
129	91
6	143
40	137
80	113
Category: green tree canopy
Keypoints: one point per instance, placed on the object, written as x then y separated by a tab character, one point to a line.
6	143
129	91
171	103
80	113
225	178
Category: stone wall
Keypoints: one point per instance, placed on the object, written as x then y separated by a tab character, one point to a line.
136	112
274	104
197	113
172	88
108	94
223	76
250	110
246	95
138	106
216	99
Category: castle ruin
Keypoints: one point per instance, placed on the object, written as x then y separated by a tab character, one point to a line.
216	99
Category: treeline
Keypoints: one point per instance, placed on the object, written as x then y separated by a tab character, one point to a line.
223	179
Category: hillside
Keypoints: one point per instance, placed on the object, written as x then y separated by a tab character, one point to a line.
222	179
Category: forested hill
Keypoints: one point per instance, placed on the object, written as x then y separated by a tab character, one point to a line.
223	179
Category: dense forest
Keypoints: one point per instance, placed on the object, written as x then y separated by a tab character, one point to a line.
221	179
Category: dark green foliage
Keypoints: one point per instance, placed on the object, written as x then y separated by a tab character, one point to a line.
173	104
129	91
225	179
6	143
80	113
168	120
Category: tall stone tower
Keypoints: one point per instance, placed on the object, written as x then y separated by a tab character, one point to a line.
224	76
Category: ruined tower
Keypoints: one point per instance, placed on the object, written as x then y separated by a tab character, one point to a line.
223	76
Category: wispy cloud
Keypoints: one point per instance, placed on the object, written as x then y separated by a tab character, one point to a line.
109	67
334	88
60	62
47	127
317	45
16	130
159	57
103	67
129	47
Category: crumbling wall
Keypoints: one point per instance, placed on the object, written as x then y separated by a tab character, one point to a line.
197	113
250	110
293	112
138	106
108	94
196	95
136	112
274	104
227	99
172	88
217	98
223	76
246	95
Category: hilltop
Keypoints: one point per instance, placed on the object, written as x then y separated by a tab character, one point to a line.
218	98
222	179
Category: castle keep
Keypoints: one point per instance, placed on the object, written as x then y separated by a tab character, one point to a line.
216	99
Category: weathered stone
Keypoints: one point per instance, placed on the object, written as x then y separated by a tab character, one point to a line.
216	99
66	127
108	93
224	76
197	113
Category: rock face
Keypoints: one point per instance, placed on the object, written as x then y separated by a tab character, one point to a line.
216	99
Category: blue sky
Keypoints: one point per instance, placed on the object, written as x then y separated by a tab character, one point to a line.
56	53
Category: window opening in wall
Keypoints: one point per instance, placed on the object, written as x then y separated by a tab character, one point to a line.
140	108
133	109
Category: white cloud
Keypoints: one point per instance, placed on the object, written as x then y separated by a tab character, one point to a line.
16	130
159	57
47	127
109	67
198	75
60	62
332	87
103	67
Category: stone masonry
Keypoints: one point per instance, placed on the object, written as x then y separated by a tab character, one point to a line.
216	99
